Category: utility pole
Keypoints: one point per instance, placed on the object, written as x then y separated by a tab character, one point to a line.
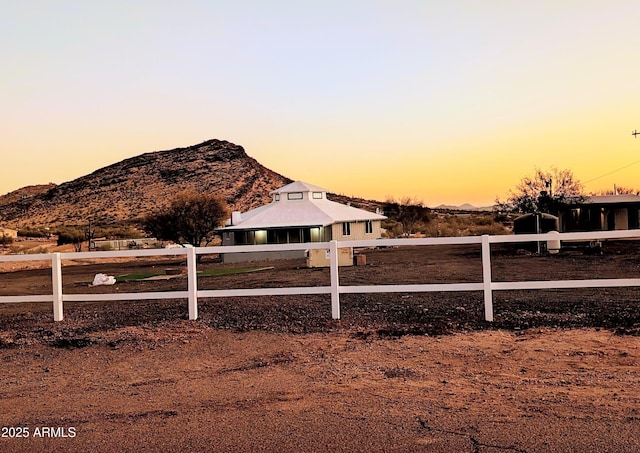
89	233
635	133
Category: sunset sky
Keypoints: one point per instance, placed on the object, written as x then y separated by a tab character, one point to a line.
446	101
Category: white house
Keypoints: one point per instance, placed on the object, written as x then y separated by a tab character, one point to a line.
299	212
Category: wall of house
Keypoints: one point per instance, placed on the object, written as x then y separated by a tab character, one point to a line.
358	231
595	218
621	219
584	218
8	233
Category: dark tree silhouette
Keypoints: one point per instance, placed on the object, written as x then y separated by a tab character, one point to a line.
544	191
407	211
73	236
190	218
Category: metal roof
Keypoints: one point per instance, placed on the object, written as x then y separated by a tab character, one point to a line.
308	211
612	199
298	186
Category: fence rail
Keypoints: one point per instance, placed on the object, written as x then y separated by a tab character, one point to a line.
192	294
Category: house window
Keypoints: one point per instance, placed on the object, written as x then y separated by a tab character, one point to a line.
346	229
368	227
277	197
260	237
294	196
277	236
294	236
317	195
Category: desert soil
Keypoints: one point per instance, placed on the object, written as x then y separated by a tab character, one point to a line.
556	371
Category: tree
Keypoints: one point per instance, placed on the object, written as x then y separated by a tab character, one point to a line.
73	236
618	191
190	218
544	191
408	212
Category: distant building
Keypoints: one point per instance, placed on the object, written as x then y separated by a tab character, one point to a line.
602	213
8	232
299	212
123	244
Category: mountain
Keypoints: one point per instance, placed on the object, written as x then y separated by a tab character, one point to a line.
464	207
24	193
134	187
131	189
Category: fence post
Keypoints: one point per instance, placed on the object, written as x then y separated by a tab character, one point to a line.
335	281
486	278
192	288
56	282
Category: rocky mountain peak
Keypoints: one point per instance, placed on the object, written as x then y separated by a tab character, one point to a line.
134	187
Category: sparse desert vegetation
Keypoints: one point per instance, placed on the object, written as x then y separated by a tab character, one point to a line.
450	224
398	372
418	372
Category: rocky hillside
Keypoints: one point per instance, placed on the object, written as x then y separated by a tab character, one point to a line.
130	189
23	193
134	187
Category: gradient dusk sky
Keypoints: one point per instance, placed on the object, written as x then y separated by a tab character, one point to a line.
446	101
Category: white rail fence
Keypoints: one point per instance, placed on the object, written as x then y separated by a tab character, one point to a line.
192	294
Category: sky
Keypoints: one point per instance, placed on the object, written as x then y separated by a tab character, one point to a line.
446	102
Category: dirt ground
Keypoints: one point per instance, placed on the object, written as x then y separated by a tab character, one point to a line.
556	371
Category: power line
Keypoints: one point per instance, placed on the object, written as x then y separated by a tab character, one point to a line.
612	172
635	134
